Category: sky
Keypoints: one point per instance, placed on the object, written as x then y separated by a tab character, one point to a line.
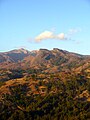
35	24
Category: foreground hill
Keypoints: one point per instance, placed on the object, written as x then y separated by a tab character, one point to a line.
47	60
59	96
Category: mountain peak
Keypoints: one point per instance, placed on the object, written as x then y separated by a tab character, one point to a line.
56	49
43	49
21	50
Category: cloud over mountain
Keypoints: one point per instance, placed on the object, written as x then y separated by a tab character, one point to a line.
49	35
60	36
44	35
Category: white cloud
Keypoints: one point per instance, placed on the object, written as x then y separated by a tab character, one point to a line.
44	35
61	36
49	35
74	31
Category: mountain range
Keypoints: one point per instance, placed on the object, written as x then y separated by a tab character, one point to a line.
43	83
47	60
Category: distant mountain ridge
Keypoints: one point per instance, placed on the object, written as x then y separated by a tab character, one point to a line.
14	55
47	60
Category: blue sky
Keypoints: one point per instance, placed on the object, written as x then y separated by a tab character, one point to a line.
35	24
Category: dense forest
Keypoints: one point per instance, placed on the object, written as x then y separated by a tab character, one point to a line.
57	98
